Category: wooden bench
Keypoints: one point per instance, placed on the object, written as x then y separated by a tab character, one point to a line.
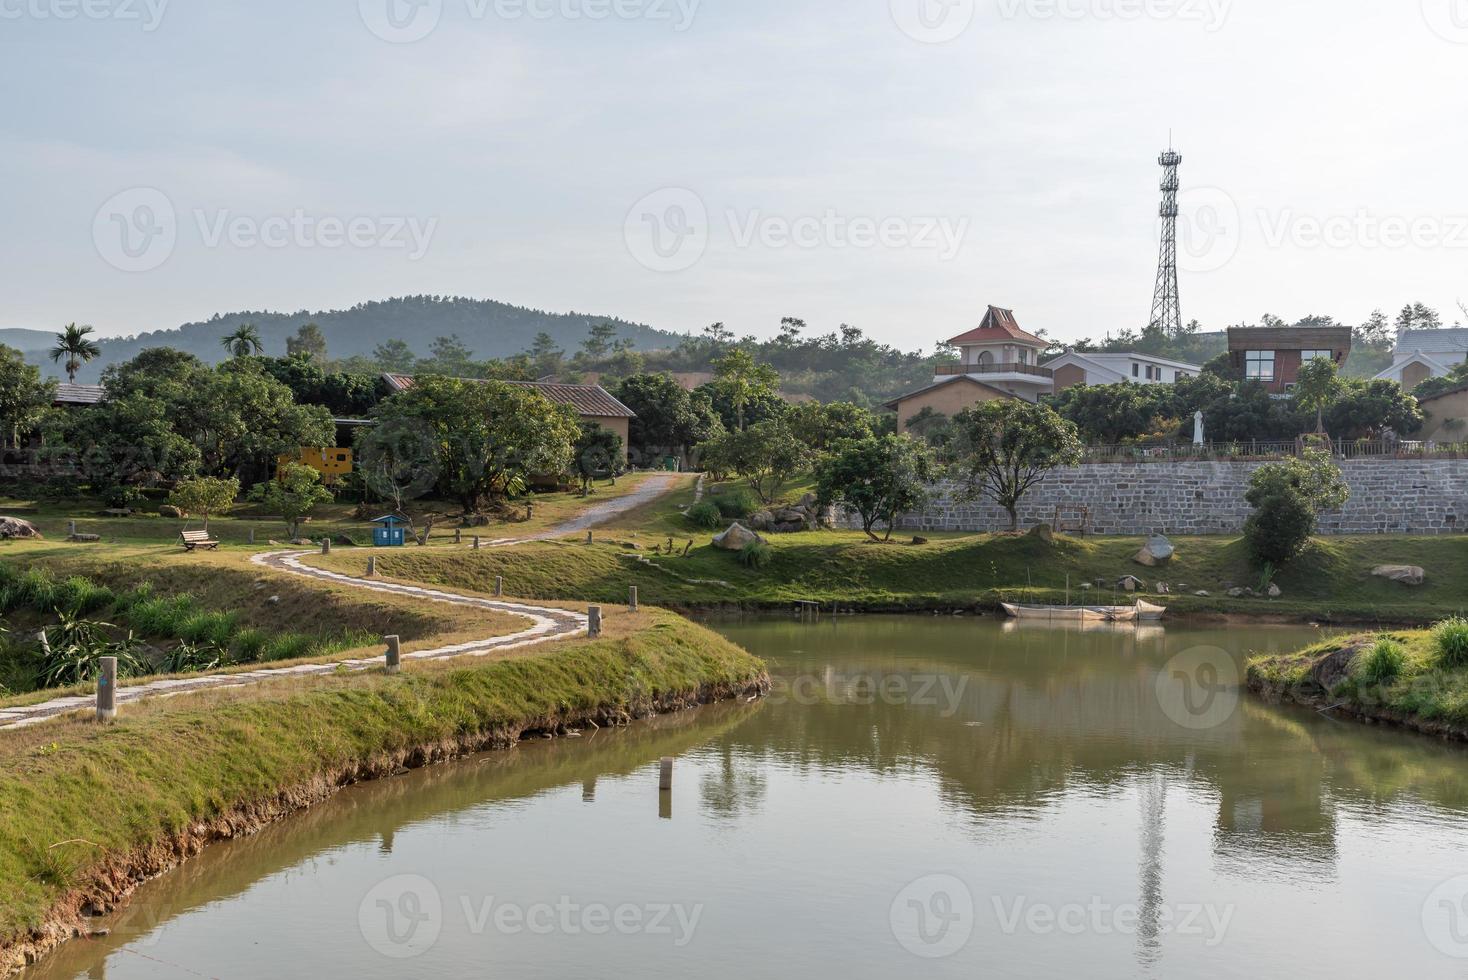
198	539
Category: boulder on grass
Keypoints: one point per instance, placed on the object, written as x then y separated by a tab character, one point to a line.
1157	551
1044	533
14	527
171	512
736	538
1131	584
1406	574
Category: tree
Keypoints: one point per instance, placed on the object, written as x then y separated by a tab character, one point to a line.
204	496
598	454
448	356
879	478
309	341
766	455
244	341
598	342
1003	448
488	437
24	396
742	380
398	459
293	494
1287	498
1367	409
822	426
1316	388
546	355
74	346
1436	386
666	419
394	356
1110	413
1418	316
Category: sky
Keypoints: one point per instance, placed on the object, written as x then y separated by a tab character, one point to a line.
892	164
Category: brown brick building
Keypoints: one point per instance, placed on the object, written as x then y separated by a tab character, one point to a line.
1273	356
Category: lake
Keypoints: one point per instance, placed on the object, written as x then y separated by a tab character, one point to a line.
950	797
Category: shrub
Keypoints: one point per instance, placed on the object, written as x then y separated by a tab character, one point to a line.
208	628
82	595
1280	527
192	658
736	504
1383	664
706	516
161	617
756	555
249	645
1450	638
134	597
292	646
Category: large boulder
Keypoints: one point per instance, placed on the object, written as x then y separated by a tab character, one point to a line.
736	538
1157	551
14	527
1043	533
1406	574
761	520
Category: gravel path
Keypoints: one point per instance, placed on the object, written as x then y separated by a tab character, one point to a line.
652	488
546	624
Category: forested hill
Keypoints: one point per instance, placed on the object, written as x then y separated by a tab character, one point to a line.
489	329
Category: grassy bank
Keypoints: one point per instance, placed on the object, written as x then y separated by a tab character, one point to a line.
86	812
1332	582
1416	679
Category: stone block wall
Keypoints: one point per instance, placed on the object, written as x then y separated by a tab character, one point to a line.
1387	497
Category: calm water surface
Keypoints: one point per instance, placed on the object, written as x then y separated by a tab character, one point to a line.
935	797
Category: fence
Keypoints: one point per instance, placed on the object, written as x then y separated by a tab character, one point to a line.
1253	450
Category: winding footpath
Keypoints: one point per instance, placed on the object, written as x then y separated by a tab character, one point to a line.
546	623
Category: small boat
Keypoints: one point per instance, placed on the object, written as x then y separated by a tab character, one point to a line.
1141	612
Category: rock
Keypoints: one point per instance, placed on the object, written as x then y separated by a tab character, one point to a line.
1275	591
1130	584
1202	593
790	516
14	527
1164	589
791	527
761	520
1406	574
1043	532
736	538
1236	593
171	512
1157	551
919	540
85	538
273	601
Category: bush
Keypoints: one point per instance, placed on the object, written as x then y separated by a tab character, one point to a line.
1450	638
33	589
1383	664
1280	527
82	595
210	629
706	516
292	646
161	617
249	646
192	658
756	555
736	504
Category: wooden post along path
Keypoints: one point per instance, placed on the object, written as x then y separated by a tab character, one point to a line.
499	586
394	654
107	690
593	622
632	599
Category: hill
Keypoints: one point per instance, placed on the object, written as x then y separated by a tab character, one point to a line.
488	328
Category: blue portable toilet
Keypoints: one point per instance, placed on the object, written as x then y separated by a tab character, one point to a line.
390	532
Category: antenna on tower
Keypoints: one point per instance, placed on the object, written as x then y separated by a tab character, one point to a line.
1167	313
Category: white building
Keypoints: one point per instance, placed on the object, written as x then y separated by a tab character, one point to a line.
1073	368
1423	354
1001	356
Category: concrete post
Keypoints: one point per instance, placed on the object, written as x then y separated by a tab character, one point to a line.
476	542
665	776
632	599
252	536
71	529
45	643
394	654
107	691
590	539
371	565
593	622
499	586
458	535
326	546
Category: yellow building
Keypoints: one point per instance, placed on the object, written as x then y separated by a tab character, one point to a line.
332	464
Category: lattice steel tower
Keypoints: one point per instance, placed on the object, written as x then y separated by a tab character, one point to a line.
1167	311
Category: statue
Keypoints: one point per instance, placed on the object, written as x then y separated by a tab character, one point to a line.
1198	439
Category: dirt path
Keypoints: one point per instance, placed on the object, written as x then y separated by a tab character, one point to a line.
651	489
546	624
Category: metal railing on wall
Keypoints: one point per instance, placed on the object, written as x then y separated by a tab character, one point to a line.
1249	450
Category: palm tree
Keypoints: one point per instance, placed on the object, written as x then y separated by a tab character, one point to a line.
73	345
244	341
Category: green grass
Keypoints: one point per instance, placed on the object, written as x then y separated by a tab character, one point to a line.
73	794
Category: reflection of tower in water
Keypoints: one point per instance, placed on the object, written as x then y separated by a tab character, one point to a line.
1149	918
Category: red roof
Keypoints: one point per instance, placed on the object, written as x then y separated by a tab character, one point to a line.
999	327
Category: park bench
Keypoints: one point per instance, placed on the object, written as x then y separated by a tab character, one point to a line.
199	539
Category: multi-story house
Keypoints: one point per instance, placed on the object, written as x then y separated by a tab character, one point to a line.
1273	356
1423	354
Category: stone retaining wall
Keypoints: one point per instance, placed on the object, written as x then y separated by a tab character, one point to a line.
1387	497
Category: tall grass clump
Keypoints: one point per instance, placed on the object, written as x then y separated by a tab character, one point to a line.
161	617
83	596
736	503
1450	642
34	589
291	646
211	628
705	515
1383	663
133	597
249	646
756	555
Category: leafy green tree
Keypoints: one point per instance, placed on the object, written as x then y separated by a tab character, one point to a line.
129	440
667	418
344	395
24	396
1436	386
822	426
599	453
1366	409
1418	316
1287	498
1316	388
294	494
244	341
309	342
546	355
75	346
488	437
398	459
1110	413
450	357
394	356
766	455
599	341
204	496
742	380
1004	448
879	478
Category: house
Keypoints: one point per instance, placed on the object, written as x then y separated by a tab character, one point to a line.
946	397
77	396
1273	356
592	402
1002	356
1447	416
1074	368
1423	354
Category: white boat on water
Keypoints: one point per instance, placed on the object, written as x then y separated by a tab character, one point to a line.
1144	612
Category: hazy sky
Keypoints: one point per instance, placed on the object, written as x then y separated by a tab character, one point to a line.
894	164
